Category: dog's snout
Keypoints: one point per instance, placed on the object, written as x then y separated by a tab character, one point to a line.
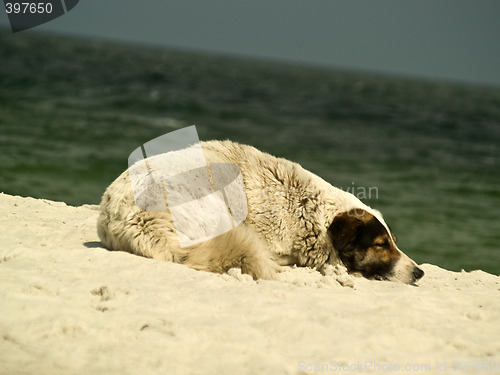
417	273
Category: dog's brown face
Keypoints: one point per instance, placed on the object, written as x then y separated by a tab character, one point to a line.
366	246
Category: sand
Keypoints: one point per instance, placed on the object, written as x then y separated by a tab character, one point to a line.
68	306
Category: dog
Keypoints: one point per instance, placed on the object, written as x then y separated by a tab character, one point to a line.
293	218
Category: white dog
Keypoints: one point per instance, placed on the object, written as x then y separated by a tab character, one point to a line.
294	218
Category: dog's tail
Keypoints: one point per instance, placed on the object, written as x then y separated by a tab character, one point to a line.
241	247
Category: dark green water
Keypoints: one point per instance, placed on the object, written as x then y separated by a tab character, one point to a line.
71	111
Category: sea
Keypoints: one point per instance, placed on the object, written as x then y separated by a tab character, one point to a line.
425	153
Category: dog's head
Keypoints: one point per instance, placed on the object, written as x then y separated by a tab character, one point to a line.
365	245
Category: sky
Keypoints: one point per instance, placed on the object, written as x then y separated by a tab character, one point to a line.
456	40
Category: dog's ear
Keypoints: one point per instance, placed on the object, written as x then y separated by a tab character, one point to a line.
345	228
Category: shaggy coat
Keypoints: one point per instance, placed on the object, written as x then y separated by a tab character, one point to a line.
291	221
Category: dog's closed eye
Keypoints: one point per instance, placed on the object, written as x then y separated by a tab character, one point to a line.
382	243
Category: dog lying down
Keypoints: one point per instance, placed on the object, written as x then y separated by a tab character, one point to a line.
290	217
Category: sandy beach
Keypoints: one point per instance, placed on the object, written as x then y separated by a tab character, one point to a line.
69	306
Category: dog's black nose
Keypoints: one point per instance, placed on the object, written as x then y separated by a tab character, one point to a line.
417	273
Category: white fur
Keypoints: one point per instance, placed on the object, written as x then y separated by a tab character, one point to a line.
289	212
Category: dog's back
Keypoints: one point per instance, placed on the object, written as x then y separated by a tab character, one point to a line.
123	225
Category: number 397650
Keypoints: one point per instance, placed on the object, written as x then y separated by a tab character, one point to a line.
28	8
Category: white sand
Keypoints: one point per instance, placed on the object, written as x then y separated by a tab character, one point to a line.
68	306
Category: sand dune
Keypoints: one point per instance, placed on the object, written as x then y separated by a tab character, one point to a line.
69	306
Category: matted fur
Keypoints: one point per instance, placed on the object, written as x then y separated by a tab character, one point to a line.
289	213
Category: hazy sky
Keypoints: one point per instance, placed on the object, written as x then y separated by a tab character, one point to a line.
452	39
